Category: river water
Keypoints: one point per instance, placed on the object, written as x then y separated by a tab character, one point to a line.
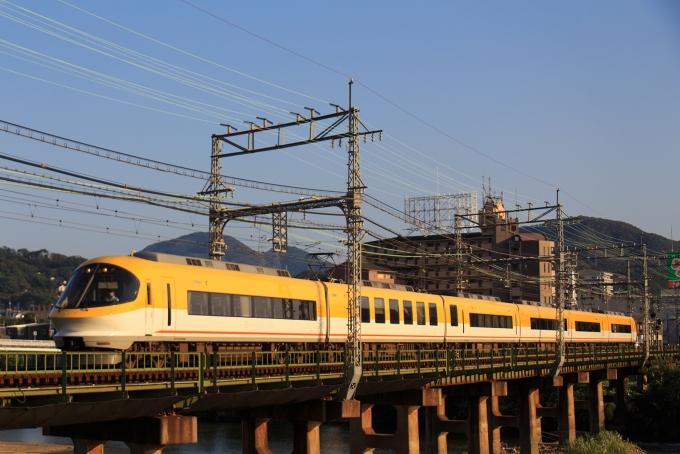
225	438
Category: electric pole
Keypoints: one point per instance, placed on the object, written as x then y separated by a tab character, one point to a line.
645	312
458	232
216	190
355	232
560	278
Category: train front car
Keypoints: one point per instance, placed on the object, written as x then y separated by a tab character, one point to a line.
102	306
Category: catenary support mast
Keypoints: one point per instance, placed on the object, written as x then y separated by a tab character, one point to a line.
560	280
355	232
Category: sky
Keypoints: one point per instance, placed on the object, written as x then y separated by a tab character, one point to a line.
581	96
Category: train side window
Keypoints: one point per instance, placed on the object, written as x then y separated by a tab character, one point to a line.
198	303
365	310
394	312
306	309
408	313
621	328
588	327
454	315
433	314
278	308
262	307
490	321
220	305
420	312
148	293
169	305
242	305
379	308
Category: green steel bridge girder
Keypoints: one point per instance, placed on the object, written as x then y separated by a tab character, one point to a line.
88	376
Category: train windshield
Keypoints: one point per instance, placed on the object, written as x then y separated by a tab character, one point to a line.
99	285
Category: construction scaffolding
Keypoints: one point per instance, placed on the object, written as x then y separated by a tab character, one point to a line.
437	214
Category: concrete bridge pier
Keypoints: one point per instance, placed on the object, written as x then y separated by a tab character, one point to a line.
531	411
480	425
306	417
405	440
254	435
620	399
567	410
142	435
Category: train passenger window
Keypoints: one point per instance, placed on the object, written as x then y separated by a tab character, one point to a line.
241	305
490	321
621	329
454	315
365	310
588	327
306	310
278	308
420	313
148	293
546	324
220	305
408	313
379	307
262	307
433	314
198	303
394	312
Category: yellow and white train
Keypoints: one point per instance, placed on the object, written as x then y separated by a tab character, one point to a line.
153	301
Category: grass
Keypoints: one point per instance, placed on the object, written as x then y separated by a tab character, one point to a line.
604	442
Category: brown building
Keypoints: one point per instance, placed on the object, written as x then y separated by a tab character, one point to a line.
370	271
499	260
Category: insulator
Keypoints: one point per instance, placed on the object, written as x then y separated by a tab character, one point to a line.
333	143
372	137
381	136
364	138
340	142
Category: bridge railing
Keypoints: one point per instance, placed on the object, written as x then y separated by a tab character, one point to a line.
203	369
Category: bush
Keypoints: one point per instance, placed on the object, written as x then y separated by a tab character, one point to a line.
603	443
654	414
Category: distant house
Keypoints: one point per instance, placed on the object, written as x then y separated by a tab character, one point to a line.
369	272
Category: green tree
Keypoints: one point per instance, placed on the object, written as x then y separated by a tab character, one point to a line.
654	414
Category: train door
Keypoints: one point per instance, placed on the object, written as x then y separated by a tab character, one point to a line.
148	310
169	307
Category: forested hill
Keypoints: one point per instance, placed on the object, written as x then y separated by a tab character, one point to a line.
26	276
607	233
33	276
196	245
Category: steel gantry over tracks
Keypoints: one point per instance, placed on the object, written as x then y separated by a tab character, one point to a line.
350	203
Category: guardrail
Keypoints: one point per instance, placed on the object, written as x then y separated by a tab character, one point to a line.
27	343
57	372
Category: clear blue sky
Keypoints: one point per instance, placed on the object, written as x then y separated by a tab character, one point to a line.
579	95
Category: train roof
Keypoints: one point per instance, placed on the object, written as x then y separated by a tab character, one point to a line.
210	264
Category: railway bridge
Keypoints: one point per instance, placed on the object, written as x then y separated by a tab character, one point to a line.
149	400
